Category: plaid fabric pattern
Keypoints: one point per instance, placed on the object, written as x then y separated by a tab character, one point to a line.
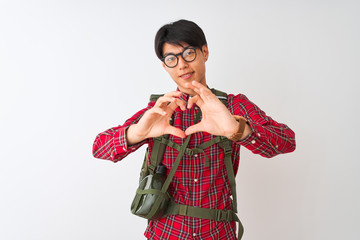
193	183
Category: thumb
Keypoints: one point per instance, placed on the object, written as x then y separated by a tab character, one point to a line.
194	128
175	131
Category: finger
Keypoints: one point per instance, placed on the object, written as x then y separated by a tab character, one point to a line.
191	86
158	110
202	90
178	103
163	101
171	107
181	104
194	128
173	94
197	100
175	131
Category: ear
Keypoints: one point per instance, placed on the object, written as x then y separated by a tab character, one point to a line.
205	51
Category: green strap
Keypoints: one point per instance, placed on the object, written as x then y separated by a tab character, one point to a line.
175	165
206	213
170	143
161	142
220	95
145	166
198	212
141	192
213	141
192	151
136	203
225	144
152	191
154	155
172	171
227	148
157	156
168	179
157	153
154	97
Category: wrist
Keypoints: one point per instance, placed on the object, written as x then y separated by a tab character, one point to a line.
242	127
233	128
132	135
247	131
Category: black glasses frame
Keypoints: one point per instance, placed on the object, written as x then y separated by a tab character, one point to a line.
179	54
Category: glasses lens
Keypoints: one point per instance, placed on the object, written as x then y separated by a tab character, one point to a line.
189	55
170	60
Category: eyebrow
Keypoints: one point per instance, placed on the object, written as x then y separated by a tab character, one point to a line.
165	54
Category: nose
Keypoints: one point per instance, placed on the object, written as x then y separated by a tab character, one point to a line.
182	63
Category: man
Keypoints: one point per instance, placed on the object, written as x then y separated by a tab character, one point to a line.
182	48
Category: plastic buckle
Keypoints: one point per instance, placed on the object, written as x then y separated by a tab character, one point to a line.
228	151
223	215
189	152
183	210
152	168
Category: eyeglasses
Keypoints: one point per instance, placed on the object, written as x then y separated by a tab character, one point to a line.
172	60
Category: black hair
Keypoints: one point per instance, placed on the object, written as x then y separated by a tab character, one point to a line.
179	31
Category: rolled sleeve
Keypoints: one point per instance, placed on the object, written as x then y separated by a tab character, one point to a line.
111	144
258	143
120	143
268	138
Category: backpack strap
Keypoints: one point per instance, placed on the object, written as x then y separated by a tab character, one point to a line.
227	148
206	213
154	97
170	176
157	153
157	156
222	96
161	142
226	145
158	150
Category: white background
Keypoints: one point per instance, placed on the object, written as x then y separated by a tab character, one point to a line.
72	69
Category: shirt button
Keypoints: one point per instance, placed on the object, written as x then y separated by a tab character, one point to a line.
194	234
277	146
259	135
195	180
195	155
253	141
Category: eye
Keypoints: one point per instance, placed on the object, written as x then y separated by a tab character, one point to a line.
188	52
170	58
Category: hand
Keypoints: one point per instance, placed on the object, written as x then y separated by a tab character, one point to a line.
216	118
156	121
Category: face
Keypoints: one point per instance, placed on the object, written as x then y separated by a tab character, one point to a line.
187	71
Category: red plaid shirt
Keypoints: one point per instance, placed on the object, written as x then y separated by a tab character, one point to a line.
193	183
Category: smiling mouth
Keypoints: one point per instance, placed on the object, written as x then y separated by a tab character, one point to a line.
186	75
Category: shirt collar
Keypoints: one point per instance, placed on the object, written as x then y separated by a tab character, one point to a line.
184	96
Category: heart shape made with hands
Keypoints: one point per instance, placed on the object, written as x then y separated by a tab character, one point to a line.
216	118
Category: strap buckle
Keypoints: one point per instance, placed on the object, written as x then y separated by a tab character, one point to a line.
223	215
227	151
189	151
225	144
183	210
152	169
